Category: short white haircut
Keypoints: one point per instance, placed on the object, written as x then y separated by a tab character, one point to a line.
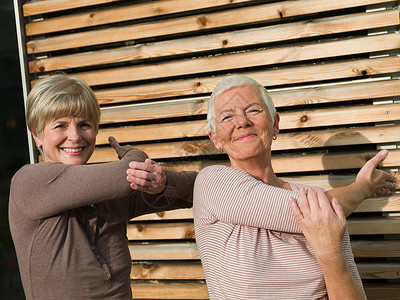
234	81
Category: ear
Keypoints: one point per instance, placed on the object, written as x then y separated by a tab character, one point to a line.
276	124
36	137
214	139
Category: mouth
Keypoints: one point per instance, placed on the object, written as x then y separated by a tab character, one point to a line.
72	151
247	136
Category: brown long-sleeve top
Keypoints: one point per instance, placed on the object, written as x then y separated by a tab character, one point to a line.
250	244
69	223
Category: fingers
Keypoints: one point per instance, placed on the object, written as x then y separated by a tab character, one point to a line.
146	171
339	211
310	204
295	210
121	150
301	210
313	200
147	176
303	202
323	200
113	142
390	181
373	163
378	158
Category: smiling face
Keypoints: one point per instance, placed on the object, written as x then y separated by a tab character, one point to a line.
243	125
68	140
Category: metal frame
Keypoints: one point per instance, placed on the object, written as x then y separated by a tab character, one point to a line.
20	25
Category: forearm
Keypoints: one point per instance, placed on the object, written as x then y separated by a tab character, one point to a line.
56	187
350	197
180	185
370	182
340	284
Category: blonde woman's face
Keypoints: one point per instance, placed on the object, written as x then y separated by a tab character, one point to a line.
68	140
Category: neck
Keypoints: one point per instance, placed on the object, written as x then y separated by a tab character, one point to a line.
260	168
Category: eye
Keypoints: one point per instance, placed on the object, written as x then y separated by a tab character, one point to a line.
86	125
59	126
254	110
226	117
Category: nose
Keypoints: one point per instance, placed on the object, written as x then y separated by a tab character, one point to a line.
73	134
242	121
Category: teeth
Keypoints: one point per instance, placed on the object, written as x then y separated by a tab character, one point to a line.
73	149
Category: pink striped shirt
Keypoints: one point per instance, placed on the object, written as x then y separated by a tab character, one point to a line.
250	245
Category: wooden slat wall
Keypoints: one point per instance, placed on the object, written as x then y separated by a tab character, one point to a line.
331	68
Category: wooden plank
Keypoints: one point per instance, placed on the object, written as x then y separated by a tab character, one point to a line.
374	225
37	7
287	163
192	270
192	291
198	106
376	248
184	213
283	32
154	110
121	14
382	291
163	290
288	120
168	290
336	93
285	141
379	270
301	163
269	78
188	24
185	230
341	115
236	61
170	251
174	270
160	231
188	251
128	134
382	204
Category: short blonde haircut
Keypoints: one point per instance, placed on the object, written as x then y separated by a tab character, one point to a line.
58	96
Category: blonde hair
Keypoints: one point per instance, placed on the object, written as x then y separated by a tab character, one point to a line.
57	96
233	81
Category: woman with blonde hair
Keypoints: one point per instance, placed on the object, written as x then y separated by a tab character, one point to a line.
68	219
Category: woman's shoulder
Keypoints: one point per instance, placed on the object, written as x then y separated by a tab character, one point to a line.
218	170
35	172
214	168
222	174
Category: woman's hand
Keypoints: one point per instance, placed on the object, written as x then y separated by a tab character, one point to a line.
121	150
376	182
322	222
147	176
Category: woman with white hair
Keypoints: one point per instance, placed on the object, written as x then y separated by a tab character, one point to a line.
249	235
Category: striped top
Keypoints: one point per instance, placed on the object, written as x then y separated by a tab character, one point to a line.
250	244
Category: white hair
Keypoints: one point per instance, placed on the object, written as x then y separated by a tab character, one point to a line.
233	81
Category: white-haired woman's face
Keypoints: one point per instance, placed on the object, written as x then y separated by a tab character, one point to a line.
243	125
68	140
